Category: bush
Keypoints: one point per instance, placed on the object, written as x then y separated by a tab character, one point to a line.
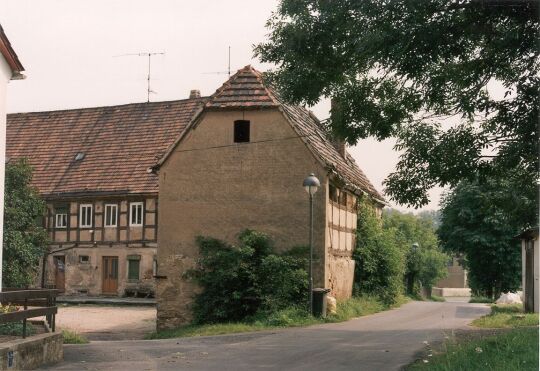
240	281
379	260
16	329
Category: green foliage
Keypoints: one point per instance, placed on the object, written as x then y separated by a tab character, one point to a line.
480	299
426	263
402	68
16	329
24	240
477	222
240	281
379	260
508	351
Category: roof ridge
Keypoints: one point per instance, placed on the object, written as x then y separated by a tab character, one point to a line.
205	98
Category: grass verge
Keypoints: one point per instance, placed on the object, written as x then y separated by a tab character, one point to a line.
480	299
290	317
507	316
72	337
512	350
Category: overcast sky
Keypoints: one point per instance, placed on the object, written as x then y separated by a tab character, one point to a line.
70	50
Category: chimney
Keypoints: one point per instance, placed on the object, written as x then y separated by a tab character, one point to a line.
195	93
338	143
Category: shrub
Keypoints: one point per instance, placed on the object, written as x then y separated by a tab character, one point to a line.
240	281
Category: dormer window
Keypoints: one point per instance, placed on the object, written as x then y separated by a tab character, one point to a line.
241	131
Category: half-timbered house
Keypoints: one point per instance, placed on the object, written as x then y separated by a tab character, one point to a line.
93	168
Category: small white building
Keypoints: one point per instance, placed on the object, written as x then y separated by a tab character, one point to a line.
10	69
530	269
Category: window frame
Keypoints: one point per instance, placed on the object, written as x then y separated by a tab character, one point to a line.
91	221
56	219
84	262
130	260
241	129
105	219
131	207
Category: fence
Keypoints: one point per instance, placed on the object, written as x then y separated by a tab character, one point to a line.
42	301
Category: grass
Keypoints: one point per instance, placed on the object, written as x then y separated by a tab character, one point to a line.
512	350
437	298
290	317
72	337
507	316
480	299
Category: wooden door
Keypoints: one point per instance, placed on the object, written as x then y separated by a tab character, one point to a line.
529	276
110	275
60	273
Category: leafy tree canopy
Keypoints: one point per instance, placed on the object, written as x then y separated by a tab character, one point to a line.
402	68
478	221
25	240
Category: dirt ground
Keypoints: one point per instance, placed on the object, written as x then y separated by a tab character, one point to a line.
107	322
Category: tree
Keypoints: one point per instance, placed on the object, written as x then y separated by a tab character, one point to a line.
402	68
25	241
479	220
425	262
379	260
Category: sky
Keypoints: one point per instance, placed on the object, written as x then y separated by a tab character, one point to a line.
74	51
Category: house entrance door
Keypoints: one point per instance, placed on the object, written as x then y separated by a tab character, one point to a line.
60	273
529	276
110	275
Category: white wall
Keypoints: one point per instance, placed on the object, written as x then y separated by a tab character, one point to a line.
5	76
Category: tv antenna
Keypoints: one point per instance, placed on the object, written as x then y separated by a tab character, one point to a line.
228	72
149	55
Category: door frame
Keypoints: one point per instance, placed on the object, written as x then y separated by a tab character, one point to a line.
107	262
56	259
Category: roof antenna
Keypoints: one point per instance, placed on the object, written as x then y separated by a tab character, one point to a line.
228	72
149	55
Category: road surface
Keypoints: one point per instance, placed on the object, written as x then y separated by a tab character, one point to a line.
383	341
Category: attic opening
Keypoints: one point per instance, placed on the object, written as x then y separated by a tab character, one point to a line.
241	131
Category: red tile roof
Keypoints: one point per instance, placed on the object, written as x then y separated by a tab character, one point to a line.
119	144
244	89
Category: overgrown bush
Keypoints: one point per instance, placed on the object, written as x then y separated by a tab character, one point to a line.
379	260
239	281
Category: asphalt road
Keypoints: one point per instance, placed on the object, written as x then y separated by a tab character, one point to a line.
384	341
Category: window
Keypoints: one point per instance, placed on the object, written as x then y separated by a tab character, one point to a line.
241	131
84	259
85	216
134	264
136	214
111	215
60	216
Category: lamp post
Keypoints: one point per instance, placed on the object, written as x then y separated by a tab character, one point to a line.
311	185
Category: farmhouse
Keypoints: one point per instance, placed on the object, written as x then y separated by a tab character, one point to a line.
130	187
240	164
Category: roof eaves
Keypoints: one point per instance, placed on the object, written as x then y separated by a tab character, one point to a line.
10	56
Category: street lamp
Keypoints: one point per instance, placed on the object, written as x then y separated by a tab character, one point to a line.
311	185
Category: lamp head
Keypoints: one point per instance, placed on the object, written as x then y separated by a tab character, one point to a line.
311	184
